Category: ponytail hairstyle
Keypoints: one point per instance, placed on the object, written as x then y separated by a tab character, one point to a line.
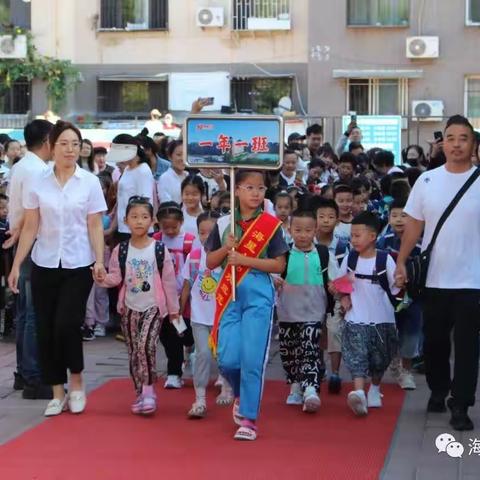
211	215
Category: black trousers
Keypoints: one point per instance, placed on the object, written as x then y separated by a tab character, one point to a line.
60	299
445	310
173	345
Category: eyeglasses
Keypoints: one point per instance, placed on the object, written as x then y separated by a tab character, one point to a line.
65	145
252	189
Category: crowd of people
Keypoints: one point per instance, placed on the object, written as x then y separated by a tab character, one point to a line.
320	246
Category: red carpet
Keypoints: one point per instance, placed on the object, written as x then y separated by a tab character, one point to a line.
109	443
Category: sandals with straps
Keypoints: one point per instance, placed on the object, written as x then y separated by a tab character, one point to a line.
197	411
247	431
225	398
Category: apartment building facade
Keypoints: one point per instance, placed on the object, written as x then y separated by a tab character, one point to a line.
415	58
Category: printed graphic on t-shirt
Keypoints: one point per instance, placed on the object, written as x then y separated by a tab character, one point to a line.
208	284
142	271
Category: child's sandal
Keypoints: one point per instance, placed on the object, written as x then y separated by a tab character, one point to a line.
225	398
197	411
247	431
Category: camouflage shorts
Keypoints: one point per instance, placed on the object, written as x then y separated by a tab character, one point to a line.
368	349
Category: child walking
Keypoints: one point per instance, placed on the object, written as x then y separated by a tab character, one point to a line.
243	327
179	244
199	285
283	205
302	304
148	294
369	340
193	190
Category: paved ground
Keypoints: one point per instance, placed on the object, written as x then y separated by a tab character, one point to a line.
412	454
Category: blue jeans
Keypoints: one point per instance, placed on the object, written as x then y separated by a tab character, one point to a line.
27	349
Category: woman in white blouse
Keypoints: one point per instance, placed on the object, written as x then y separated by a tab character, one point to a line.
170	183
137	178
63	212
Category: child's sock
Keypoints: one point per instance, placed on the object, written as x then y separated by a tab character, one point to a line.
147	390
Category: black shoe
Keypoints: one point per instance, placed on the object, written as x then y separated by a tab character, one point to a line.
37	391
459	420
436	405
334	384
88	334
18	383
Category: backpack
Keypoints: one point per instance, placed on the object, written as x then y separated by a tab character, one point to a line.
341	251
188	240
123	253
324	255
378	276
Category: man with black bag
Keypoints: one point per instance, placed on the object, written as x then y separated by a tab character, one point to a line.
445	204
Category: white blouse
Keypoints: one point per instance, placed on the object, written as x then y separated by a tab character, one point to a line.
63	231
169	186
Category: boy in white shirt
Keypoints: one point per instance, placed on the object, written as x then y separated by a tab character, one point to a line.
369	340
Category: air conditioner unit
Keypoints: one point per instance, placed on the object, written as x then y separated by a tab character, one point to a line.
210	17
427	110
13	47
423	47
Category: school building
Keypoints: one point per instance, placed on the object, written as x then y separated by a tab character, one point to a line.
414	58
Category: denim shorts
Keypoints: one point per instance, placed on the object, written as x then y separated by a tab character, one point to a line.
368	349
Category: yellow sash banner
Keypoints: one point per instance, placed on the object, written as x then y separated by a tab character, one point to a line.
252	244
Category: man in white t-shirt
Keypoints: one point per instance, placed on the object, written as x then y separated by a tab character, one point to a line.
28	169
452	297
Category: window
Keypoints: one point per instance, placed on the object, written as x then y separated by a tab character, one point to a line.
261	14
472	100
378	13
17	98
473	12
5	12
132	97
259	95
377	96
134	14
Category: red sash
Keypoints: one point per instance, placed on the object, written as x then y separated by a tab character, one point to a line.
252	244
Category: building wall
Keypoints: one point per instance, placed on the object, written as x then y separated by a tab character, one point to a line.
384	48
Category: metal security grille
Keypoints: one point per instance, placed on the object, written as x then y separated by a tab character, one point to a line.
17	98
134	14
245	9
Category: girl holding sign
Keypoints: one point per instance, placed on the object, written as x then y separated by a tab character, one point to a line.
241	331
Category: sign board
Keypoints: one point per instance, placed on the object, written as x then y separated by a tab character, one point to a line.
236	141
382	131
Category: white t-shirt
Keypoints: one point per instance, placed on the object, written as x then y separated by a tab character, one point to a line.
189	223
63	229
136	181
139	272
203	290
169	186
343	231
23	174
455	259
370	303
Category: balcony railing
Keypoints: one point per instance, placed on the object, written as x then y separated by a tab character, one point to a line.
261	15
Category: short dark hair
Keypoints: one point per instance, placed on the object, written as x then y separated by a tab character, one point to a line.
301	213
314	129
354	146
100	151
398	203
170	209
36	133
241	175
348	157
61	127
360	182
211	215
3	197
341	188
459	120
138	201
283	194
195	181
369	219
324	203
171	147
385	158
316	162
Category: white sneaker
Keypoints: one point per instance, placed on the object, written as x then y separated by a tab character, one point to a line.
295	396
374	398
77	400
357	401
406	381
173	381
56	407
311	400
99	330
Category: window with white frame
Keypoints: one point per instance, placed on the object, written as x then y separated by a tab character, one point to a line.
378	13
377	96
134	14
472	99
473	12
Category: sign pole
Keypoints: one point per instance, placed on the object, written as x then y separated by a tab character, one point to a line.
232	227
